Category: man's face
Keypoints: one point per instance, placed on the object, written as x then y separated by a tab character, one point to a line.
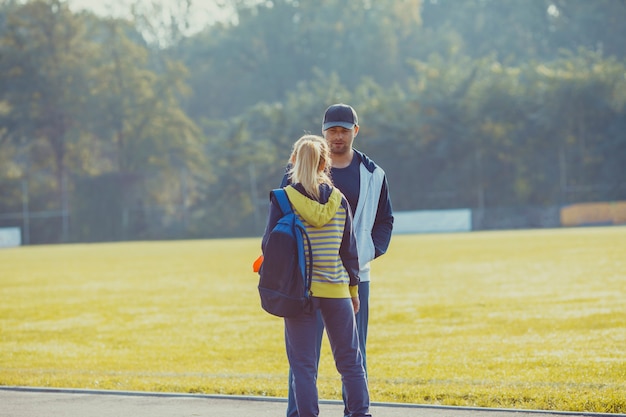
340	139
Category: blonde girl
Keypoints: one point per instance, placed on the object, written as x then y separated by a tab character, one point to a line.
326	214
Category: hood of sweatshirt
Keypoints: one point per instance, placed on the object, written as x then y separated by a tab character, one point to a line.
313	212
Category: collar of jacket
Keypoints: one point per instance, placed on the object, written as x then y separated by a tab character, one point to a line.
314	212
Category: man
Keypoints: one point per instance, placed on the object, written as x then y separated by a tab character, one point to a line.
365	186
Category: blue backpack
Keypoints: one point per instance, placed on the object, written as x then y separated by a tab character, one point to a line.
285	274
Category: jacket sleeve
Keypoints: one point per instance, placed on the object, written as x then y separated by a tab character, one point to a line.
285	181
383	223
274	211
274	214
348	249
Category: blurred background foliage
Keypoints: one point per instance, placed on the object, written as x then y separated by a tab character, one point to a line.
132	128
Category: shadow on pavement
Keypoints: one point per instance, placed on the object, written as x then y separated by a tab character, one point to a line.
52	402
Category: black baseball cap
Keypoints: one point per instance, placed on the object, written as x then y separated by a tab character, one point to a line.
340	115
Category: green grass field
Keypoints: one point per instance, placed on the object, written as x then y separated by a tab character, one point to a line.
509	319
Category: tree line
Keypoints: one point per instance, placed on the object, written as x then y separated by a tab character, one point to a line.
125	128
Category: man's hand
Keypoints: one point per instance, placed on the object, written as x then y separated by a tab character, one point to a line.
356	304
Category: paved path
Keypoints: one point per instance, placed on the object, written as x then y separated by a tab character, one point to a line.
52	402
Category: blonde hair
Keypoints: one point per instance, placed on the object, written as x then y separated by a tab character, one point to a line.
310	164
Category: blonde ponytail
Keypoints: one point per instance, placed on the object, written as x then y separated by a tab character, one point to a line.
310	164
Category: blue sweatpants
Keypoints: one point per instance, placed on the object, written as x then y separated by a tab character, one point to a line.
301	334
362	319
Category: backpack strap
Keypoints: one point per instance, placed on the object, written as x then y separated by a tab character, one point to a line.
307	265
283	200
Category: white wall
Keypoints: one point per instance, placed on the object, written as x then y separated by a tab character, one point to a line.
10	237
432	221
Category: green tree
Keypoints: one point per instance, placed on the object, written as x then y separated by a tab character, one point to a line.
84	98
150	145
593	25
274	46
516	31
43	76
43	51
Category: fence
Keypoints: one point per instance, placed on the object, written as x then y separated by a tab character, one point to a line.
106	218
526	217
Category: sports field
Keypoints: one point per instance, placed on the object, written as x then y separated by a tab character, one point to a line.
508	319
